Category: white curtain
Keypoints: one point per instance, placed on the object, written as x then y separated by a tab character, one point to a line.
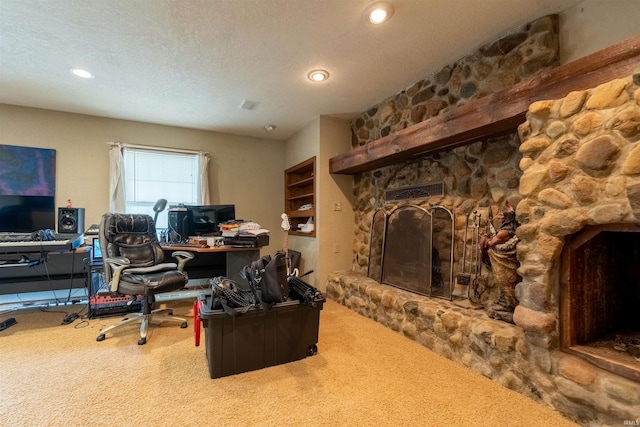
116	181
203	185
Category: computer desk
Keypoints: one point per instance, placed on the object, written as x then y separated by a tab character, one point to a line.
207	263
70	269
210	262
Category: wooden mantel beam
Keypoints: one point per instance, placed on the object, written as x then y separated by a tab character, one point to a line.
494	114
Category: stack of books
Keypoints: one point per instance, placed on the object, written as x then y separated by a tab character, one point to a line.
229	229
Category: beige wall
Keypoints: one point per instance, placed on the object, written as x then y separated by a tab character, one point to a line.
244	171
595	24
336	232
324	138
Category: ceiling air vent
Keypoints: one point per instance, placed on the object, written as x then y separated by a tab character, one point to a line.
415	192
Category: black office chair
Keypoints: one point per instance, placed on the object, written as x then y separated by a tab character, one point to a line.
134	266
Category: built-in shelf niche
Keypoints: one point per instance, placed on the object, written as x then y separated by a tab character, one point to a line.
300	192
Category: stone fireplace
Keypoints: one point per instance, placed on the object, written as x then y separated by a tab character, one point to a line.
572	170
580	219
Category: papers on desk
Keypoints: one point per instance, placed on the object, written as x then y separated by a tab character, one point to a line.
243	229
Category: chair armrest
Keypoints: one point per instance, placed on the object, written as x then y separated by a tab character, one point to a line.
182	257
116	265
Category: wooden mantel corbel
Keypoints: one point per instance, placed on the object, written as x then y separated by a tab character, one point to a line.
495	114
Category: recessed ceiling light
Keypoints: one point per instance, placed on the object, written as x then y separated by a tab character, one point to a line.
81	73
269	128
318	75
378	12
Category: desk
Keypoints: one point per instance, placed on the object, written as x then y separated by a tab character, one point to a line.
55	270
211	262
206	264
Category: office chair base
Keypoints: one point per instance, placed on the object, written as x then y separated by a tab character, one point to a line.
159	316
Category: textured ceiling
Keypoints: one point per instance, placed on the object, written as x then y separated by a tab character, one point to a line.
191	63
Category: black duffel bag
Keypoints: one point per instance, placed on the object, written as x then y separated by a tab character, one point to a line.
267	277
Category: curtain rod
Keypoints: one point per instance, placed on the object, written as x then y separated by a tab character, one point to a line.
151	148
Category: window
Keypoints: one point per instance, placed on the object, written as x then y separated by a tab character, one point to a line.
151	175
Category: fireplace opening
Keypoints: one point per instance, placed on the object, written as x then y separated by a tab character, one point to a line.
600	297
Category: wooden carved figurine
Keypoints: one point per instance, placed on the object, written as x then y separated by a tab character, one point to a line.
499	252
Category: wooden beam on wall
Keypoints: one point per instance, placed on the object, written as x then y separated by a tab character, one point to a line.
492	115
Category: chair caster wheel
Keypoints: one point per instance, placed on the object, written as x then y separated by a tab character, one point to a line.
312	350
183	325
142	341
100	337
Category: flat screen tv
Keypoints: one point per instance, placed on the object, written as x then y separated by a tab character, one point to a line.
207	217
25	214
27	188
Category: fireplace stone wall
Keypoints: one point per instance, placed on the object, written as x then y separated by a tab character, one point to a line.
575	162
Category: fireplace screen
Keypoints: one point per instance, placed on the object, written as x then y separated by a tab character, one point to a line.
376	244
412	248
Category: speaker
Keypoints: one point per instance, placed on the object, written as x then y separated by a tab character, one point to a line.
70	220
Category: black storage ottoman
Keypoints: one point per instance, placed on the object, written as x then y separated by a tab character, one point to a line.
259	338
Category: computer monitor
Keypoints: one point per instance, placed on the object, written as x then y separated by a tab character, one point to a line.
96	251
206	218
25	214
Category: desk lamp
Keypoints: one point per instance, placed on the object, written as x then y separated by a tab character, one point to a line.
159	207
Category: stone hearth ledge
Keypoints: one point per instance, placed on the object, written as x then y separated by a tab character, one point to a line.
464	334
498	350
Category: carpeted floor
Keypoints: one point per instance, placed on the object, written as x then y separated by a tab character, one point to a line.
363	375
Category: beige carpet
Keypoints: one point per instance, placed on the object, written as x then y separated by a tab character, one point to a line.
363	375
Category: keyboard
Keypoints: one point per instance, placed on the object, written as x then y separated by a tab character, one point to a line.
93	230
14	237
62	242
